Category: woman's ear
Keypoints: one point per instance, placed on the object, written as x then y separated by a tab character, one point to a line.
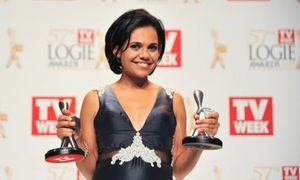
116	52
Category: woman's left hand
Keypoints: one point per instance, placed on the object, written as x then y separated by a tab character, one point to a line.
210	124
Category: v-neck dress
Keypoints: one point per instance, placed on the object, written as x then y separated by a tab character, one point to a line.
114	130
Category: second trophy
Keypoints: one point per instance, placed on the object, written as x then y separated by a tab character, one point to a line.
66	153
202	140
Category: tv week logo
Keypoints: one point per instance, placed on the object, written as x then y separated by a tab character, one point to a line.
286	36
290	173
172	55
251	115
85	36
45	111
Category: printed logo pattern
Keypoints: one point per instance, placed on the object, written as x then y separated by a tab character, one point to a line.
45	111
251	115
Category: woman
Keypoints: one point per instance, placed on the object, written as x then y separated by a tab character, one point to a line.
133	128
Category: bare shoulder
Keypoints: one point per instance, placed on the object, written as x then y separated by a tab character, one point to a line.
171	92
178	99
91	101
175	96
91	96
94	94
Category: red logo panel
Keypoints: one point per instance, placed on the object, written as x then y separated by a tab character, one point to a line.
251	115
286	36
172	55
290	173
85	36
45	111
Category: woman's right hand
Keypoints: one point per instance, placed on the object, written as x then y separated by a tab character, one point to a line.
65	124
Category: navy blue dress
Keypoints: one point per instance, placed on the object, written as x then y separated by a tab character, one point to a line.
114	130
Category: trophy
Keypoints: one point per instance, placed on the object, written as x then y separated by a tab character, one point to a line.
65	153
203	140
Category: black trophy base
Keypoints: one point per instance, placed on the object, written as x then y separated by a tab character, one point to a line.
64	155
202	143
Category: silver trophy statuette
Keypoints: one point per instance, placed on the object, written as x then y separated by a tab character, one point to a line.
66	153
202	140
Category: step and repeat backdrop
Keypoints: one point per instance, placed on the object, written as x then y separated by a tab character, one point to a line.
243	54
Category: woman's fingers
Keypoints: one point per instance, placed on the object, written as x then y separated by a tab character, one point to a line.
209	125
64	132
65	125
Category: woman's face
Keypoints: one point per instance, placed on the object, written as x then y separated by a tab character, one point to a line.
141	56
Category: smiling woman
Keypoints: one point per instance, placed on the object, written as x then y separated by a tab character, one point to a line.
142	53
119	36
133	128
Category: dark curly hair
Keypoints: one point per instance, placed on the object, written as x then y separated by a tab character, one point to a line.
119	32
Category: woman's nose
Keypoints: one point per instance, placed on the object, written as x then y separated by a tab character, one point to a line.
144	53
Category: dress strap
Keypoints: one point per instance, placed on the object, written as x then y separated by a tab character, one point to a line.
100	90
170	91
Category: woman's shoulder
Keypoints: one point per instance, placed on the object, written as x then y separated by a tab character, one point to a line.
171	92
99	90
94	93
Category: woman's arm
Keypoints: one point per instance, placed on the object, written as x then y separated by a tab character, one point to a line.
185	159
87	137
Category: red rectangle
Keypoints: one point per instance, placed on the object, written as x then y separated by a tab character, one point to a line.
45	111
172	55
286	36
85	36
251	115
290	172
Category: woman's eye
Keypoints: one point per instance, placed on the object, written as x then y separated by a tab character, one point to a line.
153	48
135	46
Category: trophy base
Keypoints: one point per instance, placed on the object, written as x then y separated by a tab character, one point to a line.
202	143
64	155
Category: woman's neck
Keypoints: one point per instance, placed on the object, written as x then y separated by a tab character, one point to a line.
134	83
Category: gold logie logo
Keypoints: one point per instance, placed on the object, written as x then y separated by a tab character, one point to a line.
15	49
61	172
8	173
3	118
217	171
265	172
101	60
219	50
